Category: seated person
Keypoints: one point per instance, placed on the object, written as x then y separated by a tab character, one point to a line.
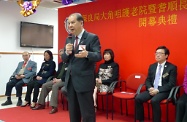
47	69
181	111
108	72
54	85
162	77
24	71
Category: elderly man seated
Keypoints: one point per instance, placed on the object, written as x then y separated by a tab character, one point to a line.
24	71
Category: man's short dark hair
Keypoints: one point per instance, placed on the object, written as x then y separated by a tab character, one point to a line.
166	50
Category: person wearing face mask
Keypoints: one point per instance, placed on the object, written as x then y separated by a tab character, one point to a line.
47	69
107	73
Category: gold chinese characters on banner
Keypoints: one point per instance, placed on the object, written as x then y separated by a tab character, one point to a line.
149	15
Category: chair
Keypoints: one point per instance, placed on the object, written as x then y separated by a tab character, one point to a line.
165	101
171	99
132	83
106	94
177	93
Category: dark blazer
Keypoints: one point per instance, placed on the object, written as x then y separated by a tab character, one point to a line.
60	66
30	70
169	77
82	69
47	69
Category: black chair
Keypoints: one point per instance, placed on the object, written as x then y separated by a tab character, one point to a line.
177	93
111	88
167	101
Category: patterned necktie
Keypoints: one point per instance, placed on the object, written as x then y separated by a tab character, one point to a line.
24	64
76	42
157	77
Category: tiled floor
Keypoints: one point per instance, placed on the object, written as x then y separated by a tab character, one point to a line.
3	99
14	101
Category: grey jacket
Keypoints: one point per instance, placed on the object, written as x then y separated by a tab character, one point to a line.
30	70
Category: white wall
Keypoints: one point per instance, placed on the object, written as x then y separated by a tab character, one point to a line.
10	18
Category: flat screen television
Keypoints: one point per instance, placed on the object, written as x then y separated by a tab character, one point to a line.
36	35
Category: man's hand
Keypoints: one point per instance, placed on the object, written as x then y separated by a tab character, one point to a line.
17	77
153	92
55	80
82	54
151	89
22	76
69	48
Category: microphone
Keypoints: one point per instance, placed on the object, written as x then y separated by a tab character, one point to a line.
70	41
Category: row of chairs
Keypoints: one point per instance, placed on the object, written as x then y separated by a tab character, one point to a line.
63	98
135	85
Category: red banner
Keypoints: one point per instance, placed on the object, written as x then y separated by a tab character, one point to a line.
134	29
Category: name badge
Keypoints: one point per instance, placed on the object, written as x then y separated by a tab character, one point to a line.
165	75
81	47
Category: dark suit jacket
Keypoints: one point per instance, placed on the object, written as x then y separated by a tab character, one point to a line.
47	69
169	77
59	70
82	69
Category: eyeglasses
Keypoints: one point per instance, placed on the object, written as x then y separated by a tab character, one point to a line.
159	53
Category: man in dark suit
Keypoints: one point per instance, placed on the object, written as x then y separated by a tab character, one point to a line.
160	80
81	58
24	71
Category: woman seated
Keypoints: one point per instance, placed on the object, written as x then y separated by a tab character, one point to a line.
107	73
181	111
47	69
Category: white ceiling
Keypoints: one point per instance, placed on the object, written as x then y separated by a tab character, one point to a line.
55	4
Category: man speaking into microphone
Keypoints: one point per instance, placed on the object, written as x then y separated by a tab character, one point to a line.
82	51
